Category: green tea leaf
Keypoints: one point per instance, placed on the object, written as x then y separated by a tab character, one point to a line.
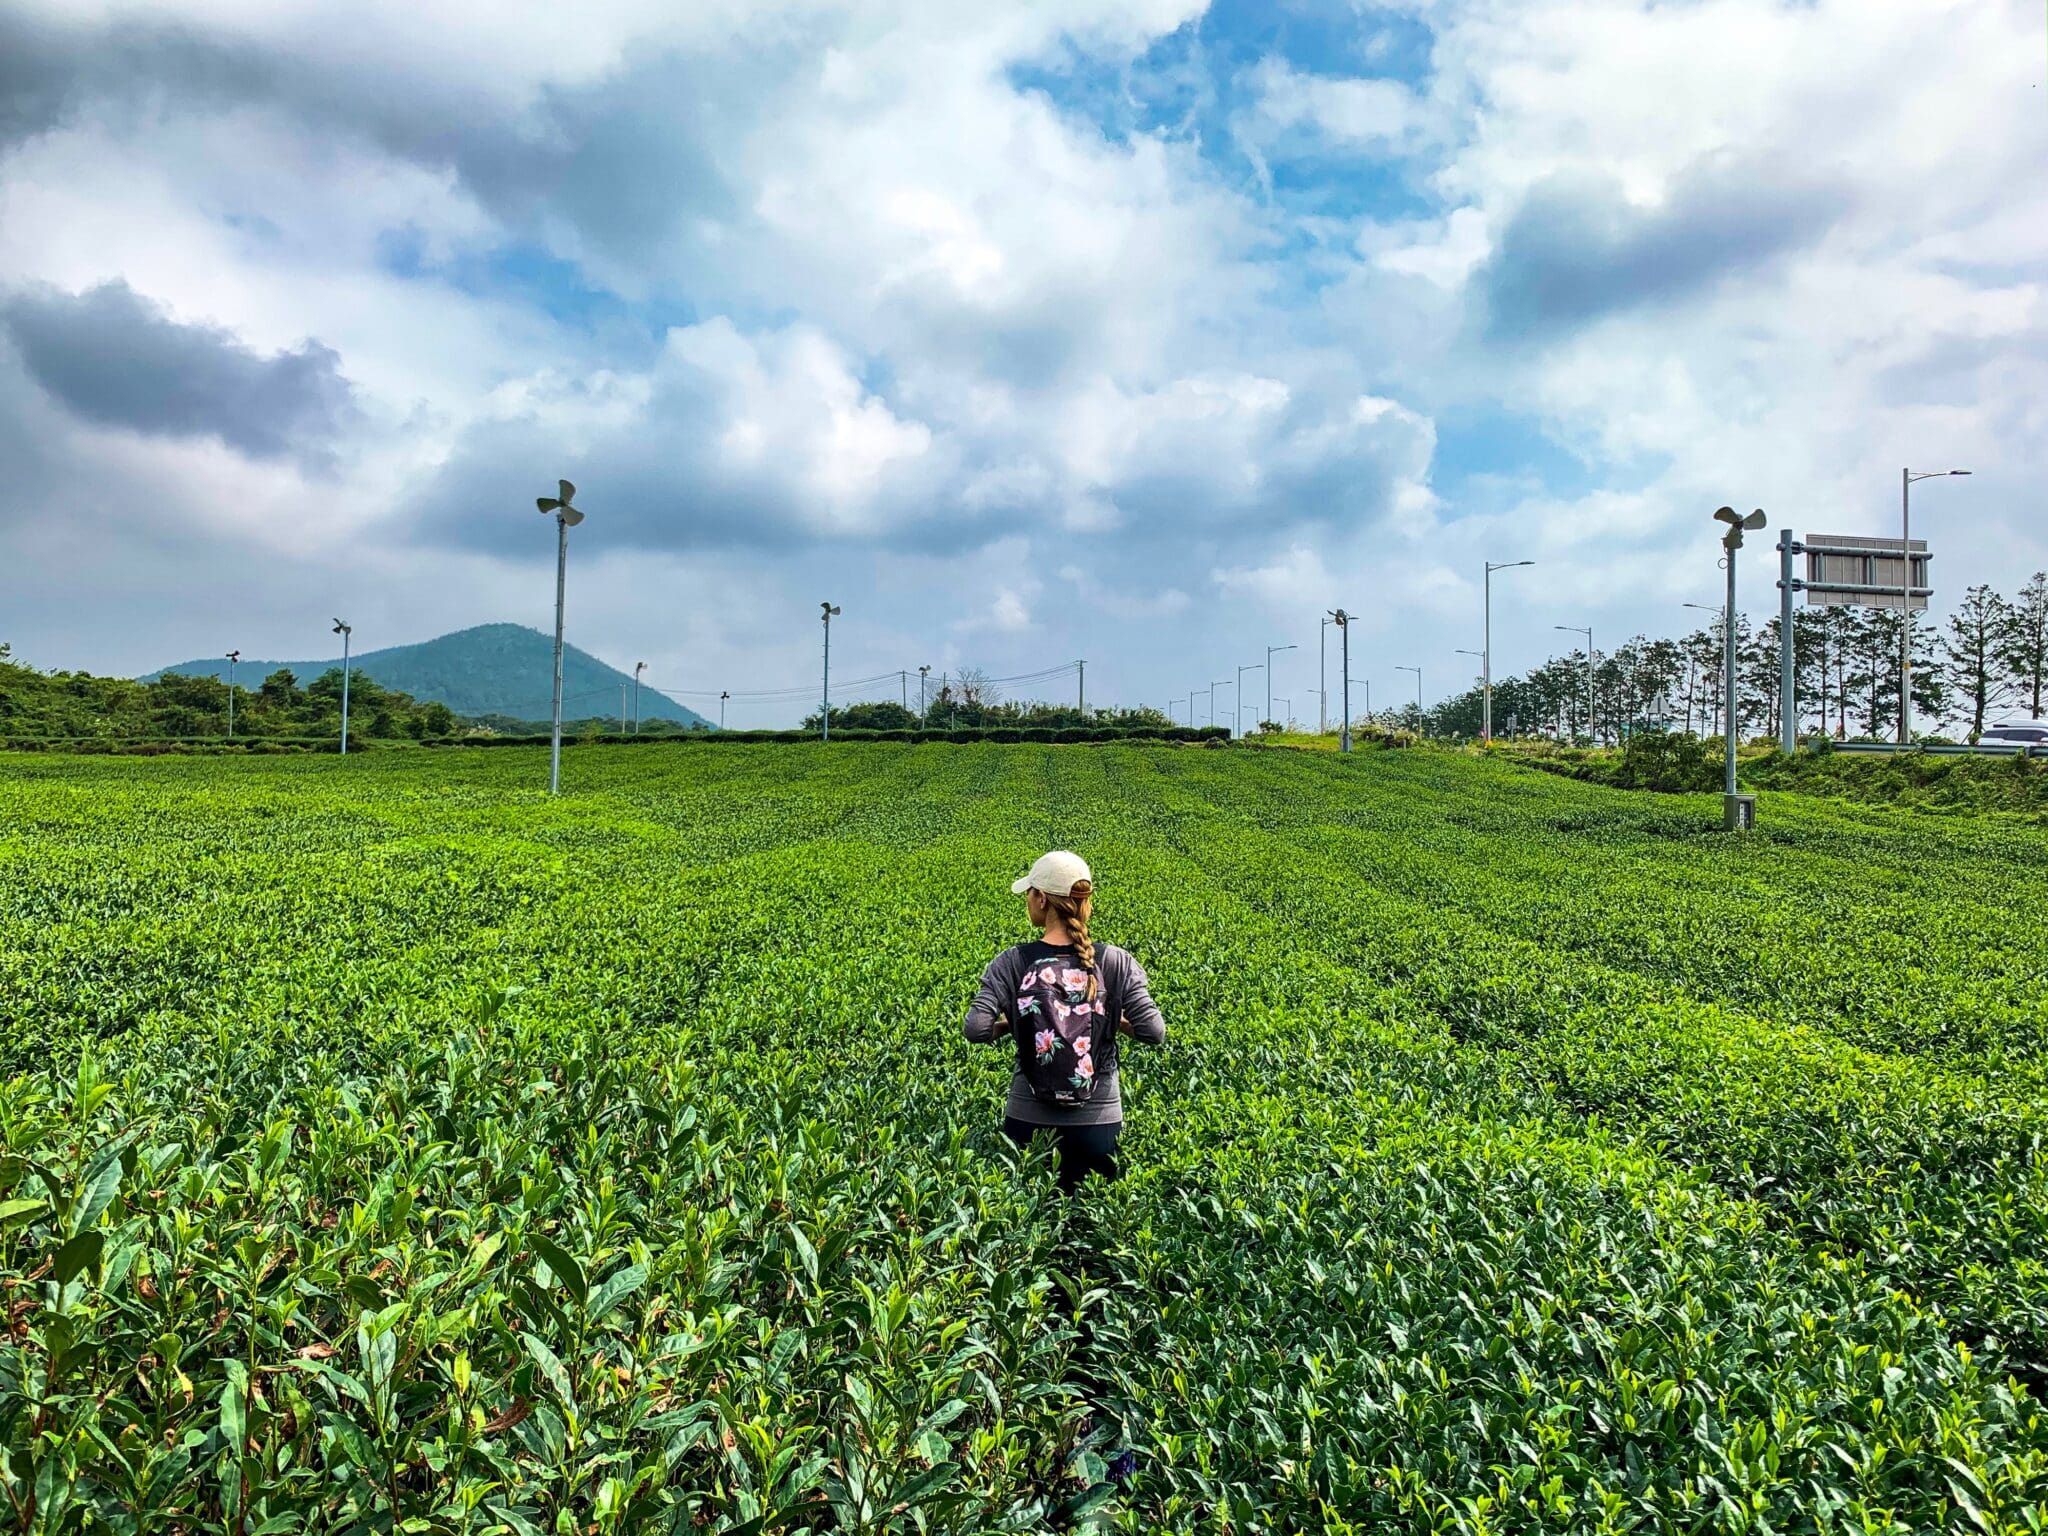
77	1256
615	1289
567	1272
550	1366
97	1194
19	1213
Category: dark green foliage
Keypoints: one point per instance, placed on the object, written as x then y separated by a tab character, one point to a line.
1917	779
65	707
1670	763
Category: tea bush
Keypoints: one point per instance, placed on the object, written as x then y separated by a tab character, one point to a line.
385	1145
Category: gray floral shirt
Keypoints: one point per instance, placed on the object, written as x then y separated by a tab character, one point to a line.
1122	982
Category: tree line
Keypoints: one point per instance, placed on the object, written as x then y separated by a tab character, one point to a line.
1988	658
80	705
967	700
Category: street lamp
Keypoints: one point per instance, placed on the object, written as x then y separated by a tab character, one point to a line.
1237	712
1486	660
344	630
1906	479
1286	715
924	676
1271	652
1587	631
1343	622
566	517
722	697
1732	816
233	657
1322	676
1418	684
825	719
1212	697
638	668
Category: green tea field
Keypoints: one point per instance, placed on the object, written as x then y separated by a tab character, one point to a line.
387	1147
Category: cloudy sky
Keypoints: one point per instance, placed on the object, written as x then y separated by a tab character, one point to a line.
1136	330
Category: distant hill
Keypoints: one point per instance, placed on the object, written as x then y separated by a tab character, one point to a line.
493	669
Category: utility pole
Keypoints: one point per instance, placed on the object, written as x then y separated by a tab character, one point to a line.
825	716
233	657
903	682
1081	704
566	517
1736	814
1343	622
622	708
1788	662
344	630
722	697
638	668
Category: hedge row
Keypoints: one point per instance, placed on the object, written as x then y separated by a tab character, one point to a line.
1040	733
273	745
160	746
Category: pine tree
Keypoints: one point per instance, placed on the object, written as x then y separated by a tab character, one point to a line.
1970	662
2023	651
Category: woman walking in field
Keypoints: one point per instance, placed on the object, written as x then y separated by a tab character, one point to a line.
1062	1000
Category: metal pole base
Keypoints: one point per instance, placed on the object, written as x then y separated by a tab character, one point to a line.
1738	813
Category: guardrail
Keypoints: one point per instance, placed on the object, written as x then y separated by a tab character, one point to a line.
2000	749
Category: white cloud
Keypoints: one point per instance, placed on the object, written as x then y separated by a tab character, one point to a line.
1354	114
812	294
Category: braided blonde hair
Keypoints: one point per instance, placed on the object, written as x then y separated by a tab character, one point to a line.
1072	910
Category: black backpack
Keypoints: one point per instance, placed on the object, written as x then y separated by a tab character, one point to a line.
1064	1035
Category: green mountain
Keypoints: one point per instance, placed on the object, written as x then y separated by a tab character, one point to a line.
493	669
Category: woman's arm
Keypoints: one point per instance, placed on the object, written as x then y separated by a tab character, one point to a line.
987	1019
1141	1019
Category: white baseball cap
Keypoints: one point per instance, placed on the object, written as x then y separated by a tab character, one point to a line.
1056	873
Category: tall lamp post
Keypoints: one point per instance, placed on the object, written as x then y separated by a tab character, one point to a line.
1418	684
1587	631
1343	622
1271	652
638	668
825	717
1237	696
1735	815
723	695
1219	683
924	677
1906	479
344	630
1486	662
233	657
566	517
1322	676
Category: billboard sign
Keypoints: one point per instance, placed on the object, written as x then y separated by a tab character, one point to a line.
1859	570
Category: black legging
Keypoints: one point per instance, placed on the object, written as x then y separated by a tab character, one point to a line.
1083	1149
